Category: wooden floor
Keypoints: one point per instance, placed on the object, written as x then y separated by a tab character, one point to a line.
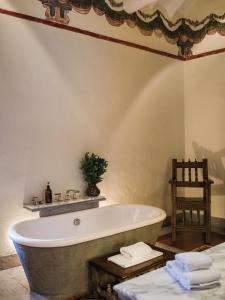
190	240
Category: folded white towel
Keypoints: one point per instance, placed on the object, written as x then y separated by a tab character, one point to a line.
125	262
190	261
136	251
172	267
199	279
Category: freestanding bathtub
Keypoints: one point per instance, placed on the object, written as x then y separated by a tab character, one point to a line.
55	251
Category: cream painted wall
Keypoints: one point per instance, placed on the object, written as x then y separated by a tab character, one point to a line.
204	91
94	23
63	94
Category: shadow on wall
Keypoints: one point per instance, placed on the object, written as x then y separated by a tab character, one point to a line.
216	166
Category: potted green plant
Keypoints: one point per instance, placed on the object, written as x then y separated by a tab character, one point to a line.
93	167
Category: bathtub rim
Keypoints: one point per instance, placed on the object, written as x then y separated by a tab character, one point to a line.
63	242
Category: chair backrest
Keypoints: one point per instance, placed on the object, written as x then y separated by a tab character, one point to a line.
190	170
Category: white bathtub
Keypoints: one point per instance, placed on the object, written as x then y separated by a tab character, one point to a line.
58	231
54	249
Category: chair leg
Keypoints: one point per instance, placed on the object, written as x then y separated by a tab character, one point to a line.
208	230
173	218
208	236
207	216
174	235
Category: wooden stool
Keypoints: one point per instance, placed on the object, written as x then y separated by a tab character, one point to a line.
104	274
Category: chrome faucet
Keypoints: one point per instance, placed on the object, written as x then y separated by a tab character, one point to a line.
71	194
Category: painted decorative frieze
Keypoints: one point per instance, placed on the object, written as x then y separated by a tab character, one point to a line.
184	32
57	10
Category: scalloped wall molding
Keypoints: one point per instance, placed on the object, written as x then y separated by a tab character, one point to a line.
184	32
104	37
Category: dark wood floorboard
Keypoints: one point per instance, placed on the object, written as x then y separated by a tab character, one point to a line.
188	241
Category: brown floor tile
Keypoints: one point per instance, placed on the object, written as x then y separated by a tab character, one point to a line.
190	240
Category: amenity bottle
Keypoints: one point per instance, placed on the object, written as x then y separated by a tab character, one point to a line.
48	194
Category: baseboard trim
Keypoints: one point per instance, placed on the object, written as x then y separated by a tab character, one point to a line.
9	261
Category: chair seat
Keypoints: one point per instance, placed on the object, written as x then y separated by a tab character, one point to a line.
190	203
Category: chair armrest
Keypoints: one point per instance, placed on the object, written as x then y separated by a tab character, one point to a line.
208	181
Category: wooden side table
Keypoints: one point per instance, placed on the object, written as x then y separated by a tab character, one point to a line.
104	274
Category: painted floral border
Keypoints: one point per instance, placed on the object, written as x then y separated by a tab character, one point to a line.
184	32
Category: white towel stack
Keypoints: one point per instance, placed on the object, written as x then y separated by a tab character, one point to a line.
134	254
192	270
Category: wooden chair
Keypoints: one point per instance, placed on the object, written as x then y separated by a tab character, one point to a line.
200	221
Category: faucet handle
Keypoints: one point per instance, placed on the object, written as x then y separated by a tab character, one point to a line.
67	196
35	200
75	194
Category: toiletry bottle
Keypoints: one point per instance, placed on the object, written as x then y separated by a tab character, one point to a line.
48	194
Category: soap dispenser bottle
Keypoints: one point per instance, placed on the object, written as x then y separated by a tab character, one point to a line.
48	194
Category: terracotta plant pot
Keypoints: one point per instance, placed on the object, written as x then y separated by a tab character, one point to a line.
92	190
